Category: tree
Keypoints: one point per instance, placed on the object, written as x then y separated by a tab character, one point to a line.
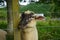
13	18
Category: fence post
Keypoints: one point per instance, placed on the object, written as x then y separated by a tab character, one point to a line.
13	18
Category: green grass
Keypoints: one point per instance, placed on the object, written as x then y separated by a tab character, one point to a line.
3	24
48	33
47	30
38	8
53	23
3	13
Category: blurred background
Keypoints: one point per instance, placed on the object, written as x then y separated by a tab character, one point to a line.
48	29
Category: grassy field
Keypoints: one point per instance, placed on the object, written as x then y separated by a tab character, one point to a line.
47	30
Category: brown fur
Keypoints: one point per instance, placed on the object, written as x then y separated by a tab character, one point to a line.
3	34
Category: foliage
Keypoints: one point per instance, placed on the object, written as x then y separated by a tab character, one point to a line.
56	10
48	33
47	30
3	24
38	8
3	13
52	23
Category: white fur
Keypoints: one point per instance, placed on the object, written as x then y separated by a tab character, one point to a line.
30	32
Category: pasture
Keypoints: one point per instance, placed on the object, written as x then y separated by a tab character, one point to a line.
47	29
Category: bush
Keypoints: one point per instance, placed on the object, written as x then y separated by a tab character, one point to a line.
3	24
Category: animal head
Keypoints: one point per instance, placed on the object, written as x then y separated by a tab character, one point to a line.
26	17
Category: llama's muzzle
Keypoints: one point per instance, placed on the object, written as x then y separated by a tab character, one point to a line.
39	16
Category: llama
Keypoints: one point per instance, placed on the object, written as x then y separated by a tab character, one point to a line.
27	25
3	34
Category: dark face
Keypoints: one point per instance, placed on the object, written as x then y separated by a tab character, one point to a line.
25	19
